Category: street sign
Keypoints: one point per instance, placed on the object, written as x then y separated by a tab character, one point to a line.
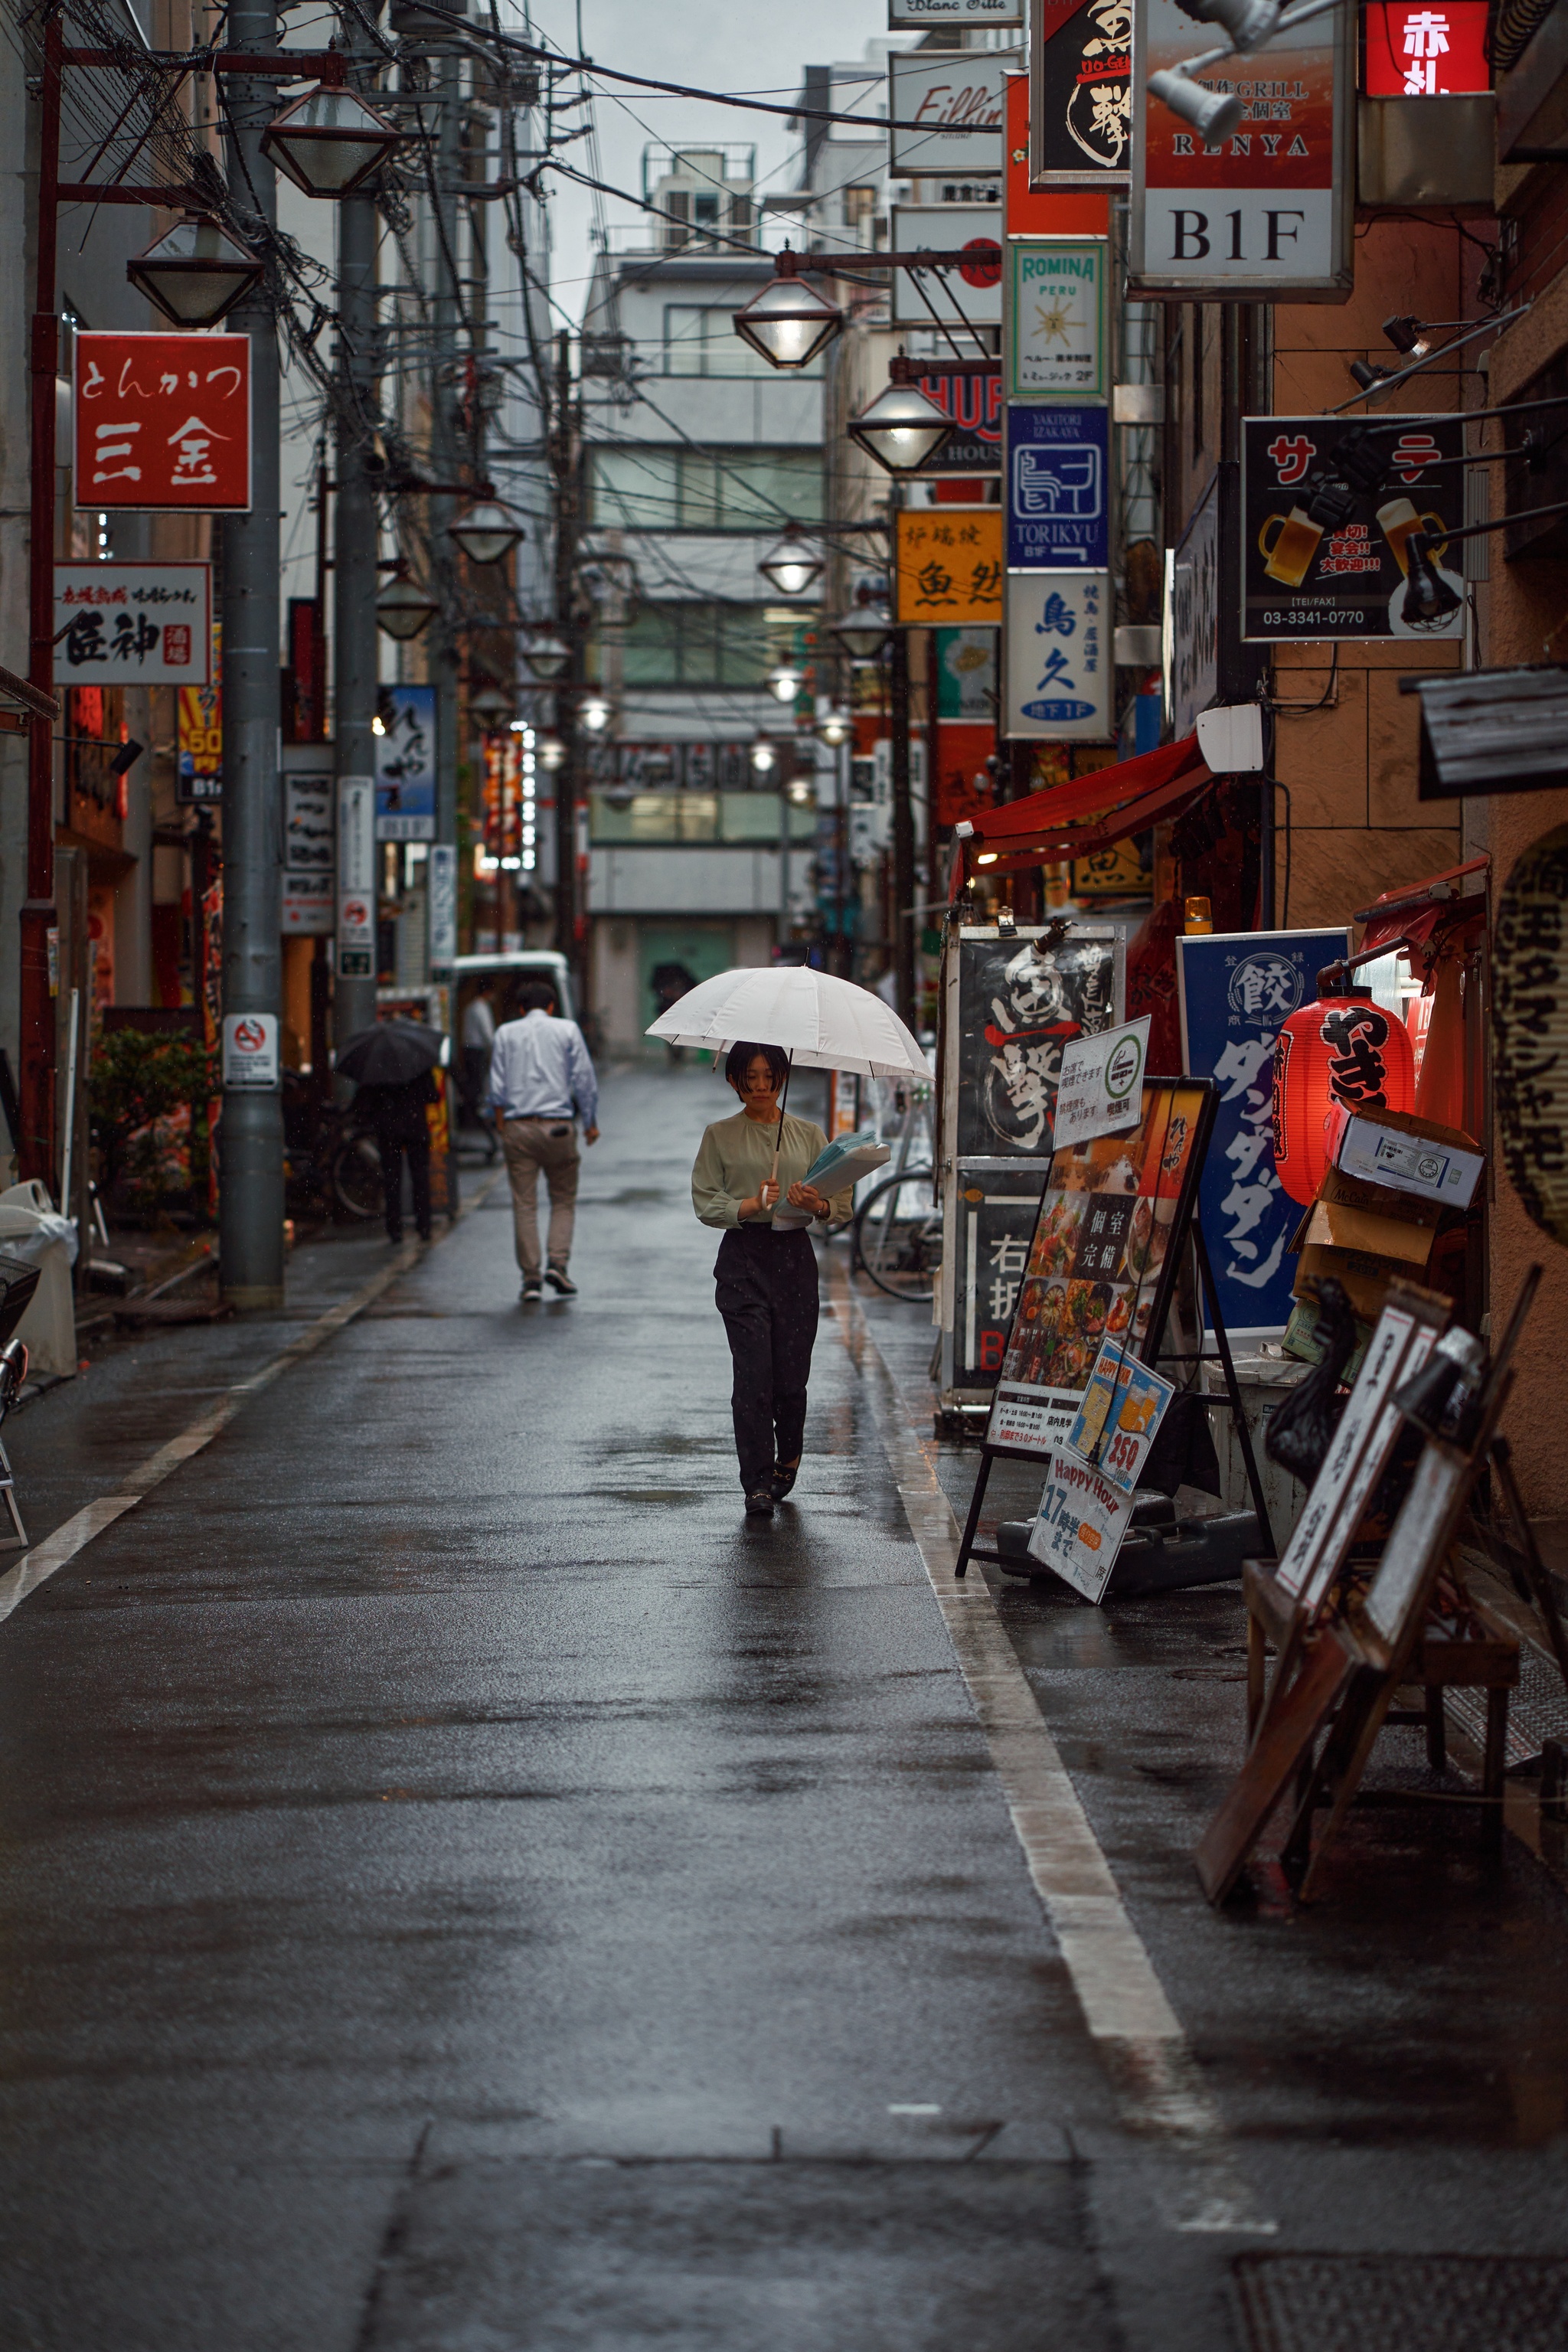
357	877
1057	664
1059	472
968	295
250	1050
132	624
1269	211
1322	558
162	421
948	566
309	861
1056	340
1417	50
1080	130
405	764
954	100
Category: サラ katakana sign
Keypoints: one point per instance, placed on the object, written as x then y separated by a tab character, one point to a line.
163	421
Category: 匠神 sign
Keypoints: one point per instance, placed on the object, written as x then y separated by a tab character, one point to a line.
1328	506
1268	209
1055	337
132	624
1058	473
162	421
1080	86
1057	658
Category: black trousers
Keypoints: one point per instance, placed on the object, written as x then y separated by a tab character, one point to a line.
766	1287
394	1150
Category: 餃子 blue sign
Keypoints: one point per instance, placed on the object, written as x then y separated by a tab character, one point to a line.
1057	489
1237	990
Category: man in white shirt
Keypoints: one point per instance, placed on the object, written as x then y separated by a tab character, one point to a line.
541	1082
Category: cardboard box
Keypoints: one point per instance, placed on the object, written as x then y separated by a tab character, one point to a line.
1364	1273
1404	1154
1331	1225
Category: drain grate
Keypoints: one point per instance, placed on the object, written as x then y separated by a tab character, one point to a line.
1423	2303
1538	1710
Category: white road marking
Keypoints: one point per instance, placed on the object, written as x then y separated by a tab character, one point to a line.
57	1550
915	2109
1135	2031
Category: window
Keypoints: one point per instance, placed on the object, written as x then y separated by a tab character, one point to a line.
704	343
702	645
700	489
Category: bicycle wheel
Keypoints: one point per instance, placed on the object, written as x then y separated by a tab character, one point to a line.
356	1174
898	1235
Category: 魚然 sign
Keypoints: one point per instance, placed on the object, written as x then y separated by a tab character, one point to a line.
251	1049
949	566
1058	473
1323	555
162	421
1101	1089
132	624
1267	210
1056	338
1056	658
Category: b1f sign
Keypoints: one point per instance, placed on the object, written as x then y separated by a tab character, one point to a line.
1057	658
1268	211
162	423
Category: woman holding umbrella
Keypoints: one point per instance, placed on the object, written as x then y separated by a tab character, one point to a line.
390	1065
766	1273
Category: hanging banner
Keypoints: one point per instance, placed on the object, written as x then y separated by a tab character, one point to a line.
1059	474
162	421
1057	658
967	296
948	566
132	624
1235	990
1269	211
1323	557
309	853
357	877
1192	616
1415	50
1080	77
405	764
953	99
1055	346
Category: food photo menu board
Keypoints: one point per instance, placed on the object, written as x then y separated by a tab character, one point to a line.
1108	1240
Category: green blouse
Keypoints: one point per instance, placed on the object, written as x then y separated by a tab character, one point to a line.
736	1155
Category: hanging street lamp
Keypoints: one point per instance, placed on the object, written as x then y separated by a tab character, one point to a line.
595	714
764	758
865	629
403	609
330	141
903	426
794	565
490	707
788	322
194	272
835	728
546	655
487	532
783	683
550	753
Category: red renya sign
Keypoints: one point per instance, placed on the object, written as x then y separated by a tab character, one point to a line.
162	421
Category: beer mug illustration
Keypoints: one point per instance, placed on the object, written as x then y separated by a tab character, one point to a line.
1289	556
1398	518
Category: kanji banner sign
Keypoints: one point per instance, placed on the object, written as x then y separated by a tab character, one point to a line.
1417	50
1268	211
1058	488
132	624
1057	670
949	566
1081	86
162	423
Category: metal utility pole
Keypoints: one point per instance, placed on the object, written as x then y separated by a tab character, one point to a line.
569	693
447	319
903	931
250	1196
353	614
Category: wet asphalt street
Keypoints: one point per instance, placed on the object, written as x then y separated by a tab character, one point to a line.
463	1889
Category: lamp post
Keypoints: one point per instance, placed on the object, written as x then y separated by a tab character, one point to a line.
195	273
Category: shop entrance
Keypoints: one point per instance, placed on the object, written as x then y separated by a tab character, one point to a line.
702	949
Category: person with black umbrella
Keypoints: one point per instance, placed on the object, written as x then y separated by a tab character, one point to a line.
391	1066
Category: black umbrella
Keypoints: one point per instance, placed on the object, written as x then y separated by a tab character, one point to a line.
391	1053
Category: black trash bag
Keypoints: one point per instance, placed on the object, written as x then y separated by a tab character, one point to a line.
1183	1454
1300	1432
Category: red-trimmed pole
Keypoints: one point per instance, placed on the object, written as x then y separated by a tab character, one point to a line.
36	1089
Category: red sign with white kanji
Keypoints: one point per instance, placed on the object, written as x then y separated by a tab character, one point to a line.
163	422
1427	50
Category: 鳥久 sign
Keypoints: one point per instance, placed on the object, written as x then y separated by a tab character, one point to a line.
162	421
1059	475
1056	658
1328	506
132	624
1237	990
1269	208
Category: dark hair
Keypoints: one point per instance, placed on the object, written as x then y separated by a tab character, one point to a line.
740	1057
536	996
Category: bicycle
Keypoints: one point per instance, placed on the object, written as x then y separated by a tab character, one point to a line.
897	1235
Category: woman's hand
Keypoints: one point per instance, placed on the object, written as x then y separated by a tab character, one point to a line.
764	1197
806	1196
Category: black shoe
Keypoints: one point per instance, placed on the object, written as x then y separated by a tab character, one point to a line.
532	1288
760	1503
560	1282
783	1478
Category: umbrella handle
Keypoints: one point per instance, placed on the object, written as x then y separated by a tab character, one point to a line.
778	1147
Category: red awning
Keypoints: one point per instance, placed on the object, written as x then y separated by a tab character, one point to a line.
1071	820
1425	913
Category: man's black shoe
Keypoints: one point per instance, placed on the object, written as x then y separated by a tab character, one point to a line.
560	1282
783	1478
532	1288
760	1503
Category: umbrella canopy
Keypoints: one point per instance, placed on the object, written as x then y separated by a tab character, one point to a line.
390	1054
822	1024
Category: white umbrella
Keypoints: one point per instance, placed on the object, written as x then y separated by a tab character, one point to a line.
822	1024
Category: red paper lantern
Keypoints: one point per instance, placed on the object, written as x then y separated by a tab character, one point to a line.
1341	1049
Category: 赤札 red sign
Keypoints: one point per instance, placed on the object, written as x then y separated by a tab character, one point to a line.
1416	51
164	421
